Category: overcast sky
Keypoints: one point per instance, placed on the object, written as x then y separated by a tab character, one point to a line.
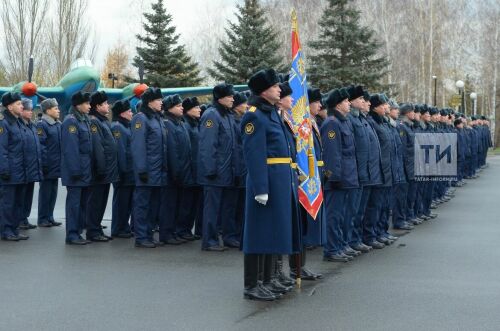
121	20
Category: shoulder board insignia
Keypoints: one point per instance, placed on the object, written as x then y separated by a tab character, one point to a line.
331	134
249	128
93	128
1	130
401	133
39	131
252	109
138	125
209	124
72	129
117	134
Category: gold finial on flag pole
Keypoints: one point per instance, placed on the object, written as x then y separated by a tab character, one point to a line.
295	25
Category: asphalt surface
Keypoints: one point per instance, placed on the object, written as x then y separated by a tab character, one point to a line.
444	275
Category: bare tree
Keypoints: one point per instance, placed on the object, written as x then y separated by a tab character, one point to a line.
23	28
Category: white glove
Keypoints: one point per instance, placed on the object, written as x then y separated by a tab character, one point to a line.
262	198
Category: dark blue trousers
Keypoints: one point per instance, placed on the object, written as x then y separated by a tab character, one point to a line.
11	208
383	222
374	215
335	202
399	208
96	205
47	196
359	219
351	210
419	205
145	210
190	210
168	212
410	200
231	221
26	202
122	209
427	197
216	201
76	211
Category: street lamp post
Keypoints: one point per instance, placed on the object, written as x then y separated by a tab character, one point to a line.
435	90
460	85
473	97
113	78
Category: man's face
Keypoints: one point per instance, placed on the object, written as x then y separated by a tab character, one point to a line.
411	115
272	94
103	108
358	103
53	112
27	114
194	112
227	101
84	107
366	109
426	117
127	114
286	103
16	108
394	113
314	108
155	104
176	110
322	113
344	107
380	109
435	118
241	109
416	116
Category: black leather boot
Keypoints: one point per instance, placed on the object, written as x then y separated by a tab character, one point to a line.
280	275
253	290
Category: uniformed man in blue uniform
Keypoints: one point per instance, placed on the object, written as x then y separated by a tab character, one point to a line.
216	164
12	173
32	164
105	169
49	134
341	174
191	205
123	189
149	155
76	166
379	201
269	191
179	169
367	159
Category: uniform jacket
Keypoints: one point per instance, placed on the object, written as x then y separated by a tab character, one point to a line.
123	136
193	129
216	147
12	151
385	140
367	148
339	153
397	158
105	150
49	134
149	147
32	152
178	151
405	128
239	160
267	229
76	150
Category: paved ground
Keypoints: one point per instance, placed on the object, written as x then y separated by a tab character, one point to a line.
444	275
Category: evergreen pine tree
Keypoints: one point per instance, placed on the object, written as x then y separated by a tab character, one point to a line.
166	64
251	46
345	52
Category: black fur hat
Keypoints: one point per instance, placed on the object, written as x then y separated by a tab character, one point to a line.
313	94
171	101
119	107
334	98
190	103
406	108
355	92
78	98
239	98
10	97
222	90
377	100
286	90
151	93
262	80
97	98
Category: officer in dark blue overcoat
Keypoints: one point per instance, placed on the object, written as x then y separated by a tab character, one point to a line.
49	134
367	155
179	169
123	189
76	166
216	169
269	189
407	135
149	155
379	201
341	173
191	204
32	164
461	149
105	169
12	172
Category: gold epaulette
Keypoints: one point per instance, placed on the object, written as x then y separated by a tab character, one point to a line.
252	109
